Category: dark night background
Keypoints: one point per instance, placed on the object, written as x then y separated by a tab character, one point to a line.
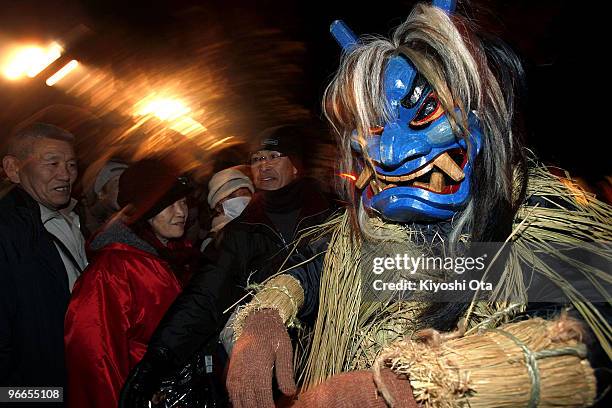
254	37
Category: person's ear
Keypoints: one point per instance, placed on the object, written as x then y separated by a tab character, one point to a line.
295	171
11	165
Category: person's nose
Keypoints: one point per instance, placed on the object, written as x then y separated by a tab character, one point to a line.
266	164
63	172
180	210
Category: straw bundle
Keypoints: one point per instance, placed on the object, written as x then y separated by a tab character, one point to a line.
340	299
531	363
282	293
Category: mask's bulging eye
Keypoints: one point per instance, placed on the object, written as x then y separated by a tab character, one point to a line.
419	86
429	111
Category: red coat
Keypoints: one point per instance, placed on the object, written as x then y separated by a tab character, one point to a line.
115	307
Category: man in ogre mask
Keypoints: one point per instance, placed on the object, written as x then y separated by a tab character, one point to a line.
425	121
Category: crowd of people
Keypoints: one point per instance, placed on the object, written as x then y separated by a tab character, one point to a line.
83	296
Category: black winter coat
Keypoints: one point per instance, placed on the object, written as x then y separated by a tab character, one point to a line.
250	251
33	297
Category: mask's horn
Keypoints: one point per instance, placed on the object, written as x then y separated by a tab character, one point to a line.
343	35
446	5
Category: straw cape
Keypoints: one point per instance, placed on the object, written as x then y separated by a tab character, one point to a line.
353	333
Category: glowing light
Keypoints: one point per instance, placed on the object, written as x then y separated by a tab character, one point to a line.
187	126
59	75
30	60
163	108
170	110
348	176
219	142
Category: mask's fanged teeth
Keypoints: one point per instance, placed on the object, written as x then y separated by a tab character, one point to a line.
448	165
417	173
375	187
408	177
436	182
364	177
420	184
389	186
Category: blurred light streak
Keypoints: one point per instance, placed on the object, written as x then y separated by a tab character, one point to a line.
59	75
170	110
207	88
348	176
163	108
219	142
187	126
30	60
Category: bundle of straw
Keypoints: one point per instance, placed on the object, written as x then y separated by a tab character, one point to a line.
532	363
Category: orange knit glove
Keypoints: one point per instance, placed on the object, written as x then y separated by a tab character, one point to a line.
263	348
356	389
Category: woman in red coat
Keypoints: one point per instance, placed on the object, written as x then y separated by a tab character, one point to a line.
134	277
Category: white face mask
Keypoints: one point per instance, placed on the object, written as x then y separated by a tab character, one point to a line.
234	206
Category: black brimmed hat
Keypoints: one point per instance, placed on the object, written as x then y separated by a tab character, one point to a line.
150	185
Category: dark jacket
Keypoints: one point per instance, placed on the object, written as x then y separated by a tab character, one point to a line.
33	297
251	250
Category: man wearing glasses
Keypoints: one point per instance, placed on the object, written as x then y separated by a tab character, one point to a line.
255	246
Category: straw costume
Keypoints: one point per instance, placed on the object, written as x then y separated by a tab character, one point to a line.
426	121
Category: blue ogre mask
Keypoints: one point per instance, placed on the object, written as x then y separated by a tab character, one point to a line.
423	171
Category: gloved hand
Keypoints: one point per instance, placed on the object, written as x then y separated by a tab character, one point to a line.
144	379
356	389
262	349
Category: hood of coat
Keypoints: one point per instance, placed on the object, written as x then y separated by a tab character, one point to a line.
119	233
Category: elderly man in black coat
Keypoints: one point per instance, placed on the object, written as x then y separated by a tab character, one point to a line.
34	279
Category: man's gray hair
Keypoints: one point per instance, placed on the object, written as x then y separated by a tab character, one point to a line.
21	141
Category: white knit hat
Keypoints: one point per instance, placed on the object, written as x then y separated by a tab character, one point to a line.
225	183
111	169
